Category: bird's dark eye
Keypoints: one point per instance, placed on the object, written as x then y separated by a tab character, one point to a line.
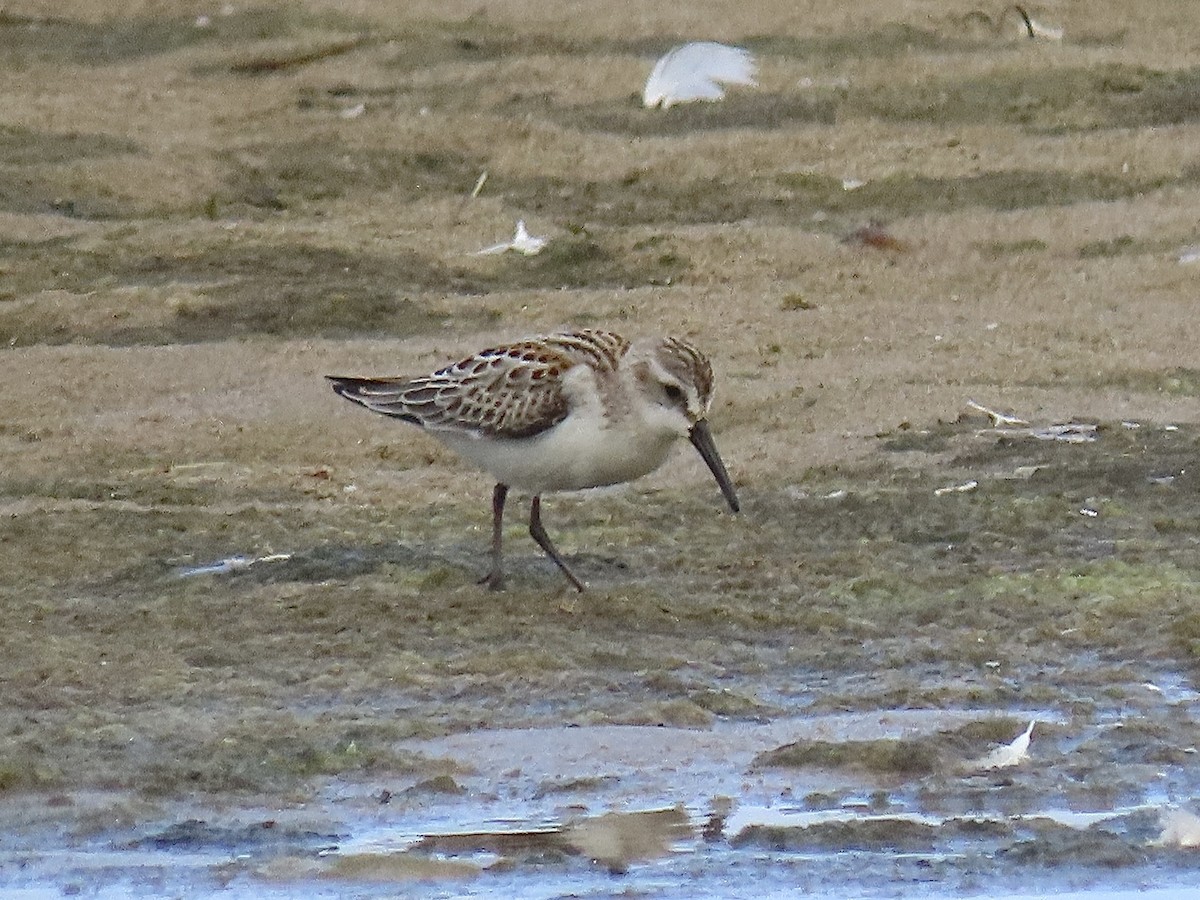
674	393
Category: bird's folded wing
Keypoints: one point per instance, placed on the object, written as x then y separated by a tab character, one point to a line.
514	391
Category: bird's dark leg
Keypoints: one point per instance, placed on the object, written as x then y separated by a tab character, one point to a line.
538	533
495	578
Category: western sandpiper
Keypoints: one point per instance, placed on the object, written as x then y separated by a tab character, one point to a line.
562	412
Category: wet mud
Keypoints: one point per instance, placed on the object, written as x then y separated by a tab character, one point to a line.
1081	623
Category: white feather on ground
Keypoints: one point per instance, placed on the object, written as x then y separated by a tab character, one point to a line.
522	242
1007	754
697	71
1180	828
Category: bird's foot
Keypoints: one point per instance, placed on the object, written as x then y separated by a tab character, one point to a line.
493	581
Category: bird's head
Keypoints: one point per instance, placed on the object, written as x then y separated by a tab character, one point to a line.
675	381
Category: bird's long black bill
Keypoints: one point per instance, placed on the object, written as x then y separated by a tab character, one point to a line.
701	439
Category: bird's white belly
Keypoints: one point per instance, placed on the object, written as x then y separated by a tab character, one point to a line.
582	451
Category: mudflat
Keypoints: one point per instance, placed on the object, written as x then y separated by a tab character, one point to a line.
226	589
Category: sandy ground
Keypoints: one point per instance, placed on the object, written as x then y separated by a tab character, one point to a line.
205	209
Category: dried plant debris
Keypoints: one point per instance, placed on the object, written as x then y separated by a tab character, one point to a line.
877	236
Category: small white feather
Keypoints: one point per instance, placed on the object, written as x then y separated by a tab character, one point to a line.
1180	828
1008	754
522	242
697	71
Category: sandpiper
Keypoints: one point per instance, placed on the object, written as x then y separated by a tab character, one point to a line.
561	412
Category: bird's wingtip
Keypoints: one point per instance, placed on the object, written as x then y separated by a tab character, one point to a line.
343	385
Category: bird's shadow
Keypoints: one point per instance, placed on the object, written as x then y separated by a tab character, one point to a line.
342	561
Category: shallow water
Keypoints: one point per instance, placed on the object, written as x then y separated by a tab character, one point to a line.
664	812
